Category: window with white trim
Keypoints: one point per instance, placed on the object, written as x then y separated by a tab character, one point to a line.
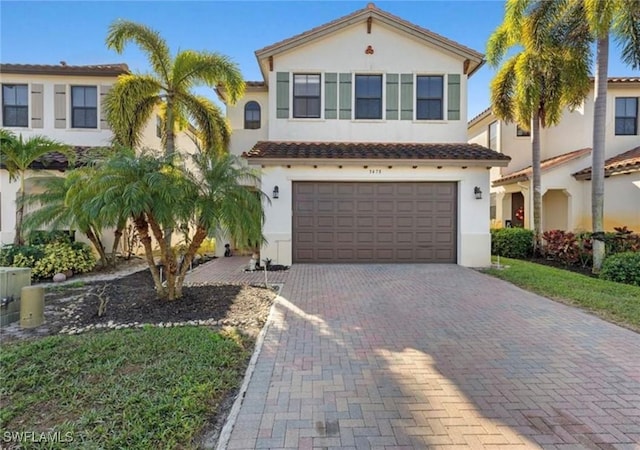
84	107
368	97
306	95
492	138
626	116
15	105
429	97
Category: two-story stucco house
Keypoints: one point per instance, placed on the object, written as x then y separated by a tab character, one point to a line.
62	102
566	164
359	129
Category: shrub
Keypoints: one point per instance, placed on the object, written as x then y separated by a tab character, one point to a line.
40	237
8	255
622	267
561	246
623	240
512	242
62	257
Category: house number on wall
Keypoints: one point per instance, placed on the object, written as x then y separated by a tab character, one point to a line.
375	171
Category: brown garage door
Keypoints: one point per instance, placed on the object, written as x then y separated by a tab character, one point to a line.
374	222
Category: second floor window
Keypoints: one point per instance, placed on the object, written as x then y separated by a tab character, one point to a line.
84	107
493	136
626	116
251	116
368	96
15	105
306	95
429	97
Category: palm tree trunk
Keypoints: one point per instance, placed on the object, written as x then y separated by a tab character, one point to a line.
143	231
170	148
168	258
536	181
198	238
95	240
598	152
117	236
18	240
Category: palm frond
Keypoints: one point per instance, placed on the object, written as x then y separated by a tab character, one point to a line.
121	32
193	68
129	106
214	131
626	32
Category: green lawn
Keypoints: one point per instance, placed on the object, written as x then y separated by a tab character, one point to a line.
135	389
616	302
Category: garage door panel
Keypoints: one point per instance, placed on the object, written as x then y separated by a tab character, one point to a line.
346	221
345	206
384	206
374	222
345	237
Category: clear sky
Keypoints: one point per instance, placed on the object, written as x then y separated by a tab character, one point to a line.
52	31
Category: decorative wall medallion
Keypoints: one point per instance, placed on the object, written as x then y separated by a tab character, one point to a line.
369	50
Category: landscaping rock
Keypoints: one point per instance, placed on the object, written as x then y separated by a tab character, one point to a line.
59	278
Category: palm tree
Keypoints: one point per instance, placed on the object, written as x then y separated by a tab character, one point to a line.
159	193
131	102
533	87
621	19
63	202
17	156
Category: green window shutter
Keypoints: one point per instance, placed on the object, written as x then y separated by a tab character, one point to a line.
345	96
453	101
104	90
406	96
392	96
282	95
330	95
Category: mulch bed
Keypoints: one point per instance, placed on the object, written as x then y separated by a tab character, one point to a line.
577	269
132	299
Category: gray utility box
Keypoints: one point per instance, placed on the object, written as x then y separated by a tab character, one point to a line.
12	280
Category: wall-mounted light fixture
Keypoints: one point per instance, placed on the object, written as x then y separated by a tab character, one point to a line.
477	192
276	192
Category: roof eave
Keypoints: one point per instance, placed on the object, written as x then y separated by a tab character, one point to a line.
508	181
266	161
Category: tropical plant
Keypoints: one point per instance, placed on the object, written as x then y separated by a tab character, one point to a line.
621	19
159	193
602	18
131	102
533	86
63	203
17	155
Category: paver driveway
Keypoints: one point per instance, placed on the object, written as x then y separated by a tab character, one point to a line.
431	356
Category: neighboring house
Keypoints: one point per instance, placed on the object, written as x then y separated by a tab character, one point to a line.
359	129
566	165
62	102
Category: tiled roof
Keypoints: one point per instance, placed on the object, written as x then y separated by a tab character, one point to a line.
626	162
58	161
280	150
65	69
255	83
371	10
525	174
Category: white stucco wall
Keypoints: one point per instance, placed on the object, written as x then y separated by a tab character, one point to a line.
473	232
243	140
344	52
621	203
68	135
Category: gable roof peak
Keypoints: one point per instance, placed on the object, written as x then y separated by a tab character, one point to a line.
473	59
